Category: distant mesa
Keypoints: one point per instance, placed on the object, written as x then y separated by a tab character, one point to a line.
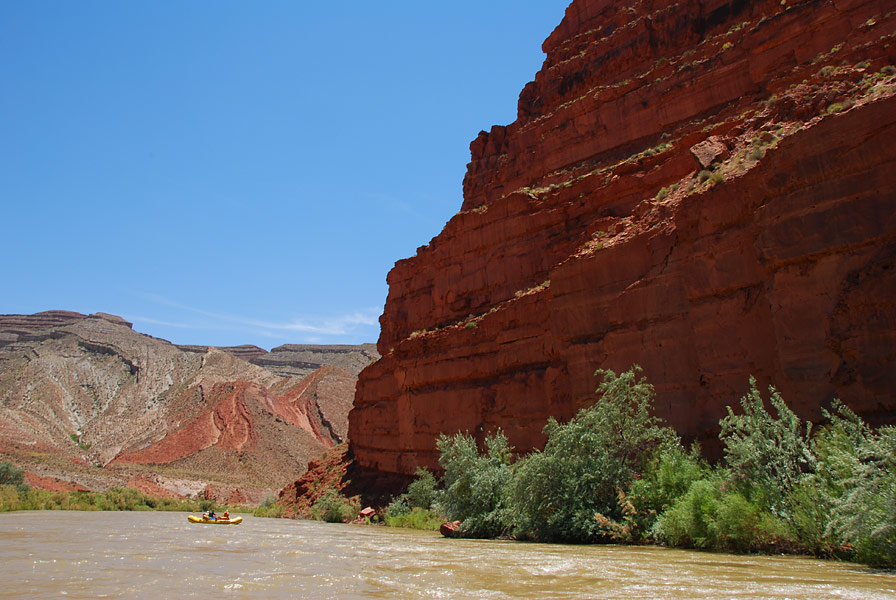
300	360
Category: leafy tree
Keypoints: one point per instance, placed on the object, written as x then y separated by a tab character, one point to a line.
557	492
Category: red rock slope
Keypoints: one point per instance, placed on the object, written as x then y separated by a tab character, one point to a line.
701	187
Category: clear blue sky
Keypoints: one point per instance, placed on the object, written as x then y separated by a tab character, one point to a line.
229	172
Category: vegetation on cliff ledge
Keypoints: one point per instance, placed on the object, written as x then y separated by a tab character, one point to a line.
616	474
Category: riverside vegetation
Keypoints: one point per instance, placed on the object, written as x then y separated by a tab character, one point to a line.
616	474
15	494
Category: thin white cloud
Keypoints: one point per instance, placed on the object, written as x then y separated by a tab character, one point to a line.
339	325
151	321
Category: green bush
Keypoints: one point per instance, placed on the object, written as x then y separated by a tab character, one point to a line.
742	525
474	484
11	475
421	494
766	452
269	508
832	494
709	516
835	449
556	493
333	507
422	491
690	521
19	497
416	518
811	506
666	479
612	473
863	466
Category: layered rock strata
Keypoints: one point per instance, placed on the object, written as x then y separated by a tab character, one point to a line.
699	187
301	360
86	401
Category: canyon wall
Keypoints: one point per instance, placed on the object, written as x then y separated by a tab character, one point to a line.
703	188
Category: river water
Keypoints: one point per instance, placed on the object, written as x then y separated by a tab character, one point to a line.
161	555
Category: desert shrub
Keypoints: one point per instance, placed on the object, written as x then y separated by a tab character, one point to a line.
743	525
397	508
10	498
835	450
113	499
689	522
474	484
862	464
269	508
757	501
124	499
766	452
735	523
333	507
713	515
666	479
10	474
756	153
811	505
421	494
415	518
557	492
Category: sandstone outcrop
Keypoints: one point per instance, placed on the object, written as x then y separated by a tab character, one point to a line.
703	188
88	403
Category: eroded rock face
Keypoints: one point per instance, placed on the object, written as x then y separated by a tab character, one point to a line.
701	188
86	400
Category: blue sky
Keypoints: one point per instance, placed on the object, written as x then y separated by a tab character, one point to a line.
228	172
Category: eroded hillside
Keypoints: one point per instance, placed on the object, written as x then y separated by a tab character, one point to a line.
86	402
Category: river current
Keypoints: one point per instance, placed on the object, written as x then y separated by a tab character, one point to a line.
161	555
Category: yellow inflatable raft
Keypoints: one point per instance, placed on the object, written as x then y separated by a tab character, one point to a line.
218	521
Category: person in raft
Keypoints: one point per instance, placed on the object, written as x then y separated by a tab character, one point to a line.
212	516
226	516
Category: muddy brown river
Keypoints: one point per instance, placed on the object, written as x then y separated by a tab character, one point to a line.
161	555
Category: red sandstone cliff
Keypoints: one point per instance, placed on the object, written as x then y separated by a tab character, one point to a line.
704	188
